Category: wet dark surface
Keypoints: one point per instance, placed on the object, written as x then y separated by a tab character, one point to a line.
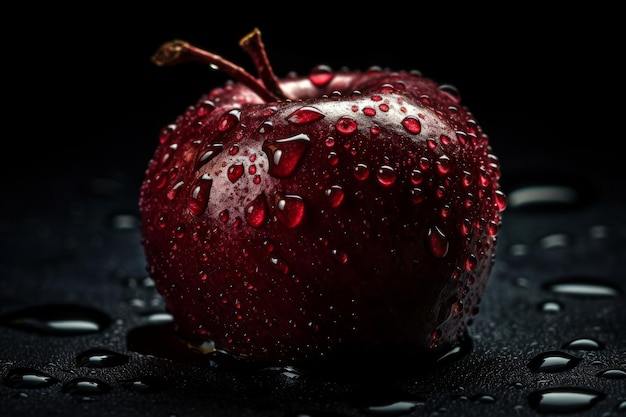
82	331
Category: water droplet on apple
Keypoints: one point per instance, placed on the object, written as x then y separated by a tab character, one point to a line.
386	175
321	75
304	115
205	107
437	242
417	195
451	91
290	209
412	124
285	154
443	165
166	133
256	211
346	125
369	111
208	154
470	262
335	195
228	120
199	195
235	171
361	172
224	215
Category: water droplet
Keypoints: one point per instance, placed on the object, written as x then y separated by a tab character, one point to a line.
228	120
564	400
346	125
613	374
551	306
100	358
290	209
285	154
335	195
85	387
321	75
443	165
543	196
369	111
27	378
143	384
199	195
394	409
386	175
437	242
412	124
171	194
205	107
553	361
256	211
583	287
304	115
451	91
361	172
584	344
57	320
224	215
417	195
208	154
235	171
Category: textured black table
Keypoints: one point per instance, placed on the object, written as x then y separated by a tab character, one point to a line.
83	332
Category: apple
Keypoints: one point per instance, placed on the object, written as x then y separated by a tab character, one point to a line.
319	217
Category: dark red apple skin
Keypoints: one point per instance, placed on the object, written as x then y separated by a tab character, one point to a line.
383	237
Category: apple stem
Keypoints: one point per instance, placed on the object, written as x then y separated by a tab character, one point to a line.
254	46
178	51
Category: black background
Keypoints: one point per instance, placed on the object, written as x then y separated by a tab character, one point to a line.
79	81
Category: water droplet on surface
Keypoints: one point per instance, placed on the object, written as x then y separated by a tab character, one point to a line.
412	124
27	378
437	242
321	75
228	120
335	195
285	154
451	91
256	211
543	196
208	154
394	409
57	320
550	306
199	195
613	374
290	209
386	175
582	287
100	358
553	361
564	400
235	171
143	384
584	343
305	115
85	387
346	125
361	172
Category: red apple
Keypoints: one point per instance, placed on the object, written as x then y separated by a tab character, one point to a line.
299	219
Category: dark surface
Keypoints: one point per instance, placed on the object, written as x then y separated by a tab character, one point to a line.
84	122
